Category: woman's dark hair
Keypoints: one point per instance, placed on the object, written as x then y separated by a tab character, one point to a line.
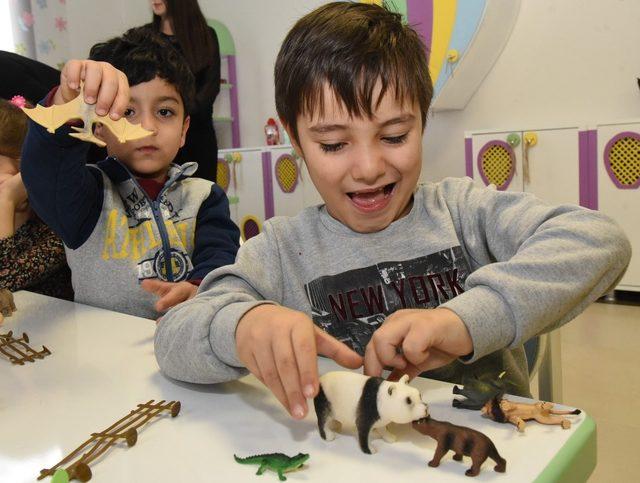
191	32
143	54
351	47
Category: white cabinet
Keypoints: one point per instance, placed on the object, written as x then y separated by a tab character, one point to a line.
544	162
496	162
598	168
618	186
285	172
240	176
264	182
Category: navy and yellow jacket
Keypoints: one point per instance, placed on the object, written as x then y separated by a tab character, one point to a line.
115	235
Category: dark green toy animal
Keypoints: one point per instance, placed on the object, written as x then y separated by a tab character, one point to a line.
478	391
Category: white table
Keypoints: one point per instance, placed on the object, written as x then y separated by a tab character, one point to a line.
102	365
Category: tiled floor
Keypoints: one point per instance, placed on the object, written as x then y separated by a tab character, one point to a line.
601	374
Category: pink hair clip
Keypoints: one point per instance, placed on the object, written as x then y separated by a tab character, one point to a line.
18	101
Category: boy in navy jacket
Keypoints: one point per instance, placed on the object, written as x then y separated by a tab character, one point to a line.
135	226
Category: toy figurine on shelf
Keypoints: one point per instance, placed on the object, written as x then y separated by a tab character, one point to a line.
368	403
53	117
462	441
278	462
271	132
505	411
478	391
7	305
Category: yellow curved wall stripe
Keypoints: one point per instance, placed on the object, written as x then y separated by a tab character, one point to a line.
444	18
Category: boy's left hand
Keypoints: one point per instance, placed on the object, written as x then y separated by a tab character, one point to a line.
417	340
170	293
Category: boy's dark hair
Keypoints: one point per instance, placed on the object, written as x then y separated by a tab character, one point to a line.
350	46
142	54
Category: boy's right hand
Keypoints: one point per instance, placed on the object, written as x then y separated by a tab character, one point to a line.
280	347
104	85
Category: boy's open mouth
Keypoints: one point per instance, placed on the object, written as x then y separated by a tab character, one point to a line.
374	199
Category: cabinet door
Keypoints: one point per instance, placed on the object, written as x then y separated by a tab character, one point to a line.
619	187
293	189
245	189
553	164
496	162
288	195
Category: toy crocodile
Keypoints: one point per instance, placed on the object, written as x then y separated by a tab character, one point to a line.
277	462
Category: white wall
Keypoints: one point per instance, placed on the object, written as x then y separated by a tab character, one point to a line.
6	35
258	28
566	61
92	21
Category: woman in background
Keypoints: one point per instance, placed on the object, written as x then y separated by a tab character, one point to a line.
183	23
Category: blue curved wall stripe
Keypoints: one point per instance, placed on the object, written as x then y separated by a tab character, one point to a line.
468	16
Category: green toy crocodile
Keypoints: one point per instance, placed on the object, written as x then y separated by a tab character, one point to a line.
277	462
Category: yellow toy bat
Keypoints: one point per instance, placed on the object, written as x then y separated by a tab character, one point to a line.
55	116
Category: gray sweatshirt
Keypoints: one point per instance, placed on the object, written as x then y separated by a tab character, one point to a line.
510	266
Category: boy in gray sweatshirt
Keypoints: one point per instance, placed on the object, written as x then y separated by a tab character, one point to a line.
450	278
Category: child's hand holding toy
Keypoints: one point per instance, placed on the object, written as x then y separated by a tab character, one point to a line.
416	340
104	85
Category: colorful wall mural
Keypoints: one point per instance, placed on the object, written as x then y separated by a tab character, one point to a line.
463	37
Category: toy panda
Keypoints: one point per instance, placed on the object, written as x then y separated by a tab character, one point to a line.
368	402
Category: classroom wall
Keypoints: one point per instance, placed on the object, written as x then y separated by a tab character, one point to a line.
565	62
568	61
258	28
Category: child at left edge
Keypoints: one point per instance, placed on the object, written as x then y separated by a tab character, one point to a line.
31	255
123	219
